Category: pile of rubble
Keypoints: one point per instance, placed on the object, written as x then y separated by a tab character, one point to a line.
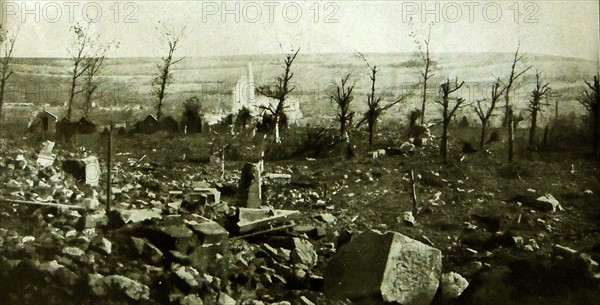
200	240
166	242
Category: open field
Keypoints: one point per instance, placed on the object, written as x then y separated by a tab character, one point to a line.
126	82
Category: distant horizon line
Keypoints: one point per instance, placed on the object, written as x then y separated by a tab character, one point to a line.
320	53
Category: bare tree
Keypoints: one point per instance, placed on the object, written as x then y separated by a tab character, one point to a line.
448	111
485	114
425	64
508	122
280	91
7	43
343	97
165	76
535	105
82	47
94	64
591	101
374	103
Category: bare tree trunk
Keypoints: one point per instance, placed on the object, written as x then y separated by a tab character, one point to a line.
161	96
483	130
277	136
371	130
595	132
424	100
109	169
342	127
444	144
511	136
72	92
506	110
2	84
595	112
163	80
532	129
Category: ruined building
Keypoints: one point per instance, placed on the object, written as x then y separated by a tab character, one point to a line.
245	95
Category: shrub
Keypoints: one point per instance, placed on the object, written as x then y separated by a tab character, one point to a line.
564	131
243	119
317	142
191	115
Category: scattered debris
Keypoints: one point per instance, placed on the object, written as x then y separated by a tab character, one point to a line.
564	251
376	153
265	219
327	218
101	285
549	203
139	215
407	147
408	218
45	157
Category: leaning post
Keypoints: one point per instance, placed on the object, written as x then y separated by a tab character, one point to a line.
109	168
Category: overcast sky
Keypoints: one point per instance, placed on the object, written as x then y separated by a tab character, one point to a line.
565	28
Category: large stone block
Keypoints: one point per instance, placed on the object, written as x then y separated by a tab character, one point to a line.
250	186
390	267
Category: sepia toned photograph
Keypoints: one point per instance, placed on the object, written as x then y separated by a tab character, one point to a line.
299	152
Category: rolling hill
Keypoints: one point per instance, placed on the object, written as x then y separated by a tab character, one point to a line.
126	82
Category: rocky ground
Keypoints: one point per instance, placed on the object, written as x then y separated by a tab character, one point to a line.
483	231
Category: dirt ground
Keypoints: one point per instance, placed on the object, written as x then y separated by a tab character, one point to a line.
478	209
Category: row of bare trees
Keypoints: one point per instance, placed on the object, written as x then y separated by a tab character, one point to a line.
87	55
484	108
7	45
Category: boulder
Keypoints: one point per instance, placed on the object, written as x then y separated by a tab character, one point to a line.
409	218
191	299
102	285
407	147
13	184
94	220
147	251
453	285
390	267
250	186
188	276
102	244
90	203
209	231
139	215
304	252
66	277
73	252
50	267
182	236
225	299
327	218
